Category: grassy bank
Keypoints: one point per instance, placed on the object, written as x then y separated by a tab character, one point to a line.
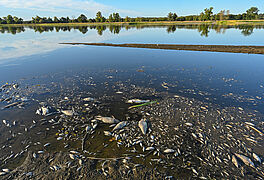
227	22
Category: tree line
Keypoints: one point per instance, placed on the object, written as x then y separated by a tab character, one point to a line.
207	14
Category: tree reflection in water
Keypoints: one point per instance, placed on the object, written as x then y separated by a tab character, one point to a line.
203	29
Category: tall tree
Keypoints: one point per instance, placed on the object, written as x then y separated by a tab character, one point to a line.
110	19
252	13
82	18
170	16
116	17
208	13
99	17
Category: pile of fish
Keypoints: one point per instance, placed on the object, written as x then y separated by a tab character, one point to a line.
178	136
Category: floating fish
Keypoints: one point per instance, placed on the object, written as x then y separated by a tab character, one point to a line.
45	111
143	125
47	144
245	160
88	128
68	112
107	133
2	173
88	99
74	152
108	120
150	148
169	151
6	170
256	157
234	161
72	156
120	125
188	124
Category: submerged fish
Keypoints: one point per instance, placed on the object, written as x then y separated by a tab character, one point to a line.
143	125
108	120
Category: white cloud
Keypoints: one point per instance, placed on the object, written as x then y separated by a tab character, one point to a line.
81	6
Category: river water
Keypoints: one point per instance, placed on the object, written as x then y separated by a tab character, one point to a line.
37	71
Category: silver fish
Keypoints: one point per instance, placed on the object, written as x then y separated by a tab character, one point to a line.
234	161
245	160
256	157
68	112
169	151
108	120
120	125
143	125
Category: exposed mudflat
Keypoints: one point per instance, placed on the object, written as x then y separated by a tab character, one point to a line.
213	48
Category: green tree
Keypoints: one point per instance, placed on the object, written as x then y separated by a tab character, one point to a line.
252	13
116	17
82	18
110	18
127	19
55	19
99	17
208	13
170	16
9	19
174	16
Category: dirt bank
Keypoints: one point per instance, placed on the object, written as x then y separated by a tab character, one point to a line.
213	48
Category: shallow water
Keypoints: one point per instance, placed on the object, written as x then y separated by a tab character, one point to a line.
48	72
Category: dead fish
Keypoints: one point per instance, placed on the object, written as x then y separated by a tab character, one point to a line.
74	152
169	151
107	133
2	173
68	112
120	125
72	156
108	120
143	125
6	170
256	157
88	99
150	148
257	130
137	101
249	123
47	144
188	124
88	128
245	160
234	161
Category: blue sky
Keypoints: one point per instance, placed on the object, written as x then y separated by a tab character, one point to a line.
28	8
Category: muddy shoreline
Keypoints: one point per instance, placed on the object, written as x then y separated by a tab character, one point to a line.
211	48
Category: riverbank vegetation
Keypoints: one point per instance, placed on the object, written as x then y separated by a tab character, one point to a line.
252	15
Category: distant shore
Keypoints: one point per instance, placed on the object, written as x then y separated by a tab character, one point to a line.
212	48
227	22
